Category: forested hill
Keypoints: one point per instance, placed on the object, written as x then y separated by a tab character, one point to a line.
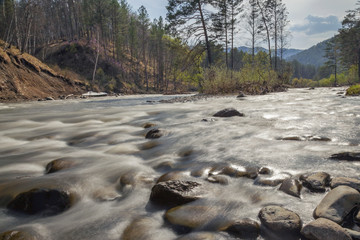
312	56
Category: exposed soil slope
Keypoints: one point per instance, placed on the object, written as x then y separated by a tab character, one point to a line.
24	77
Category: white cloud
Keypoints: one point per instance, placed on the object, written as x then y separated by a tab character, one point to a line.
317	25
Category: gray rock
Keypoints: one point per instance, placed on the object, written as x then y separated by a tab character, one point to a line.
337	204
347	156
46	202
344	181
244	229
171	176
229	112
280	221
176	193
292	187
154	133
316	182
322	229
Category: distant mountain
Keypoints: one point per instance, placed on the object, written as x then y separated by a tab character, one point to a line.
312	56
286	54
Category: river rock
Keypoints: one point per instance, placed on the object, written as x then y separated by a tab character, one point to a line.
171	176
154	133
17	235
200	236
292	187
280	221
322	229
223	180
316	182
139	228
58	164
244	229
272	182
229	112
194	216
265	171
337	204
355	235
241	95
149	125
344	181
47	202
175	193
347	156
249	172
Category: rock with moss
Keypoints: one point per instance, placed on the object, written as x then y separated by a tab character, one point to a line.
353	91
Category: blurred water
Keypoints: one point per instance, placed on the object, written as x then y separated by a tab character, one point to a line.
105	139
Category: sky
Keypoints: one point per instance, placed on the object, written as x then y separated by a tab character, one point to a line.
311	21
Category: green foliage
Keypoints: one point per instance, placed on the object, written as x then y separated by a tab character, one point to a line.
353	91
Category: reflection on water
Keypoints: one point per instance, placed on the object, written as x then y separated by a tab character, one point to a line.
114	166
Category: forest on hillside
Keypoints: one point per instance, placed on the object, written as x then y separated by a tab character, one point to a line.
114	47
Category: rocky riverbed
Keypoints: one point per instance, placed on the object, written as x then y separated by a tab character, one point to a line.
279	166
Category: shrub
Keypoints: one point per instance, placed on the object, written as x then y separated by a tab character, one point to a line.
353	91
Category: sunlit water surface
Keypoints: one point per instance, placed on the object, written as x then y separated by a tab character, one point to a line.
105	139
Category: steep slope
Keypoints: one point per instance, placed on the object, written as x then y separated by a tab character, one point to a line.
313	56
24	77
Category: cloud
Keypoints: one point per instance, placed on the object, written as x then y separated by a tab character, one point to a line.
316	25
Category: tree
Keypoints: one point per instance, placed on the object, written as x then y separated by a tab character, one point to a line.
191	17
252	24
332	54
266	23
144	23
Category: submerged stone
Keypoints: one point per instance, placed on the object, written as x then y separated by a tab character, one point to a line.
347	156
47	202
154	133
17	235
245	228
58	165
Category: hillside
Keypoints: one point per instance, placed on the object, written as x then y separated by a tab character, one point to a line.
312	56
288	52
24	77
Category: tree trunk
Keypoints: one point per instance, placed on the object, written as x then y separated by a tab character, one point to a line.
97	59
207	42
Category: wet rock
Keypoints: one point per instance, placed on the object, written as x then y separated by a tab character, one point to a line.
337	204
344	181
292	187
49	99
272	182
291	138
218	179
249	172
186	152
165	166
355	235
47	202
154	133
17	235
200	172
280	221
241	95
106	194
149	145
149	125
244	229
316	182
305	138
319	139
170	176
175	193
322	229
347	156
194	216
265	171
229	112
140	228
200	236
58	165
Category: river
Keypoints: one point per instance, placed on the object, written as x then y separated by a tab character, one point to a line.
104	138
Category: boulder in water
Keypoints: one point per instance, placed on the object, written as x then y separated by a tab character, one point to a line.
322	229
347	156
17	235
175	193
344	181
292	187
154	133
244	229
316	182
47	202
281	221
337	204
58	165
229	112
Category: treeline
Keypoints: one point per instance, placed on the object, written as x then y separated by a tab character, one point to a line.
154	54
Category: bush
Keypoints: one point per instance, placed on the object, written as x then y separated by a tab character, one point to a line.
353	91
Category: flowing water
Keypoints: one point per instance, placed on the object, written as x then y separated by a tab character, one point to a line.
104	138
